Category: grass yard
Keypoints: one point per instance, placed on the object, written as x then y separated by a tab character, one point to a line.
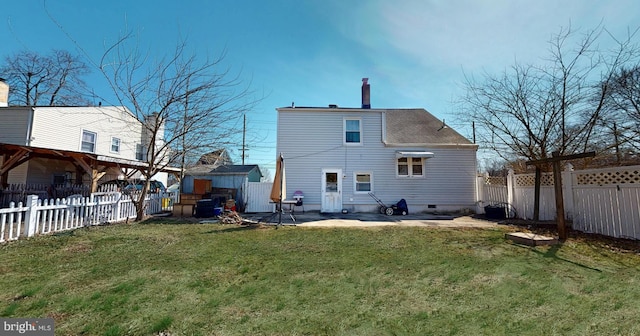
209	279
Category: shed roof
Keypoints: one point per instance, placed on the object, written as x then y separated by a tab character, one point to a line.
221	170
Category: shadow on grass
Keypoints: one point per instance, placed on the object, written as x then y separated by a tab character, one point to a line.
234	228
552	252
376	217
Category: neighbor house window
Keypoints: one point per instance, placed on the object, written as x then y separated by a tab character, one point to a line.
59	179
88	141
363	183
115	145
352	131
409	167
139	152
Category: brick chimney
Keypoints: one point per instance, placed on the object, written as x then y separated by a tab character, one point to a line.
366	94
4	93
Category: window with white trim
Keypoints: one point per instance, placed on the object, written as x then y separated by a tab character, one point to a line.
115	145
363	182
88	143
410	167
352	131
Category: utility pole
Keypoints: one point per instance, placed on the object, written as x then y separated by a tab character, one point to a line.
617	143
244	132
473	127
184	141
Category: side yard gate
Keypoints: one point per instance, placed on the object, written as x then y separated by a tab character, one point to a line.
257	197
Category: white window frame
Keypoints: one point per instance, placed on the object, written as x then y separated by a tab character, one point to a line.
355	182
119	143
94	144
409	163
344	131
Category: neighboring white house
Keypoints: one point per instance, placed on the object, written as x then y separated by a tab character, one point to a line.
337	156
70	145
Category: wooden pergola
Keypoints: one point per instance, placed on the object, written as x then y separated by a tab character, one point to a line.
91	164
555	160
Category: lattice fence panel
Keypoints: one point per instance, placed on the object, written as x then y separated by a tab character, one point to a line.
496	180
529	180
610	177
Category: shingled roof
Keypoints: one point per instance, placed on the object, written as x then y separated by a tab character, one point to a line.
417	126
234	169
221	170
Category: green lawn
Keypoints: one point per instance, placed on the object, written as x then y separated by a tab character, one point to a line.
209	279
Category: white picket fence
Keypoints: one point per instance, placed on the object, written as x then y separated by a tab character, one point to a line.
42	216
604	201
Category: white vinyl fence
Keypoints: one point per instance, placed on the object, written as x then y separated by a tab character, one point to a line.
257	197
42	216
604	201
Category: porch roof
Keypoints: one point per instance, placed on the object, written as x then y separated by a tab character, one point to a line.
414	154
89	158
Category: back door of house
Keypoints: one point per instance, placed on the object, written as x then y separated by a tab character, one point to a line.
331	190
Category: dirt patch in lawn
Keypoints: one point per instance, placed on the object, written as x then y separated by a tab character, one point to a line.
550	228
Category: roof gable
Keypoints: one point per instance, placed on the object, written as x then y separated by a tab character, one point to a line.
215	158
402	126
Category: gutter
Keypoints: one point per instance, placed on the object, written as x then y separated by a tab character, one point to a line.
433	145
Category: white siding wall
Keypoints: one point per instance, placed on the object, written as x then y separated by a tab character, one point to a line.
313	140
14	129
14	125
61	128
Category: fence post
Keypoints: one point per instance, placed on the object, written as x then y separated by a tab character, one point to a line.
510	187
480	182
31	216
567	192
93	210
116	207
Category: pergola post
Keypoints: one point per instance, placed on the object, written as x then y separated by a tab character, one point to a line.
557	186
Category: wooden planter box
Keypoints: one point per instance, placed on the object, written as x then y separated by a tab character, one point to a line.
183	210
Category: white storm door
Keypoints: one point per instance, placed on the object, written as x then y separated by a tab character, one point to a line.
331	190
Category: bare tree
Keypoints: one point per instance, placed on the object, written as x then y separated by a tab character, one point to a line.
186	106
622	115
266	174
45	80
530	111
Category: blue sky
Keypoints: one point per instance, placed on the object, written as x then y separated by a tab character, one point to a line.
315	52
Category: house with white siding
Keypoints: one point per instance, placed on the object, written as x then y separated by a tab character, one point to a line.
70	145
338	156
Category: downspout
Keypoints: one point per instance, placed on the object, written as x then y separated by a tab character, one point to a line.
383	116
30	126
